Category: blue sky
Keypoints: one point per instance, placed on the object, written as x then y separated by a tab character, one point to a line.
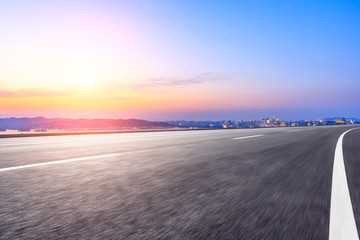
205	59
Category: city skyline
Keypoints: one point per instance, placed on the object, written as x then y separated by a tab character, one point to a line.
81	126
183	60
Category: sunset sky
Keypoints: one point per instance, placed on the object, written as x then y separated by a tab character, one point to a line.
192	60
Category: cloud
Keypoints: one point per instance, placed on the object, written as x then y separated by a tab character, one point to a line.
156	82
103	99
6	94
30	93
178	81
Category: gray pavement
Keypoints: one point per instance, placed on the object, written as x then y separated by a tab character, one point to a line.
216	184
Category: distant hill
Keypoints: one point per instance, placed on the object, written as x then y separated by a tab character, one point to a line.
73	124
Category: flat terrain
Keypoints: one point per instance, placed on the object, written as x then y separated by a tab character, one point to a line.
212	184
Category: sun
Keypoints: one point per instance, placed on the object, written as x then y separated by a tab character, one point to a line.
86	80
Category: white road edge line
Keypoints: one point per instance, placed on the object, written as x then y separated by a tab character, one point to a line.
342	220
57	162
253	136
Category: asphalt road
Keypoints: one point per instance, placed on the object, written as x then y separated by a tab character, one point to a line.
216	184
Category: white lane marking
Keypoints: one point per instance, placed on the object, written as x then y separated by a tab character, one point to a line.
253	136
72	141
81	140
300	130
58	162
87	158
33	143
342	220
124	137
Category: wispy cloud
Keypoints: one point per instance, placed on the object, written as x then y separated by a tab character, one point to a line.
179	81
30	93
156	82
6	94
103	99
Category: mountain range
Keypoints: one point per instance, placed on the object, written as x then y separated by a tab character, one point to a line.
23	124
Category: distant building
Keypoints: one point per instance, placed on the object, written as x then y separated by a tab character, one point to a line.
41	130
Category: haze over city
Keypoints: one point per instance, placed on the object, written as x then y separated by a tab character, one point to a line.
175	60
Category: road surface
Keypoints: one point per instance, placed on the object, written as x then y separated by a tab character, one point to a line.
213	184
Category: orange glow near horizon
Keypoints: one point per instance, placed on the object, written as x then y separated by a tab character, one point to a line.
129	103
91	101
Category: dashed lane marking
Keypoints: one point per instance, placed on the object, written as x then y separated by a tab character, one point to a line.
58	162
253	136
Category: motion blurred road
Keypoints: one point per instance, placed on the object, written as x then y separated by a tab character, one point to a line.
210	184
